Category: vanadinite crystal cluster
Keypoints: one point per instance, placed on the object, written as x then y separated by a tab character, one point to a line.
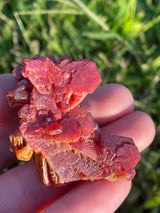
62	136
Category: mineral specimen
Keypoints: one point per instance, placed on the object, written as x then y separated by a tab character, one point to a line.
62	137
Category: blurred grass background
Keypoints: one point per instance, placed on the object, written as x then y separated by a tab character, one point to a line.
122	37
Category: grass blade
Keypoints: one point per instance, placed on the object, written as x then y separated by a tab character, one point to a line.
47	12
66	2
92	15
103	35
151	24
22	29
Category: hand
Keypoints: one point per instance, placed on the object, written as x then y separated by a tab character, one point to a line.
21	190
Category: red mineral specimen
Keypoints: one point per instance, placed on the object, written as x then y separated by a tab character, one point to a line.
62	137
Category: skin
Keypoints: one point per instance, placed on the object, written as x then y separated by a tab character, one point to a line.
21	190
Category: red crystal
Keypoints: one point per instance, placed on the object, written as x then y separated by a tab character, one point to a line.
64	138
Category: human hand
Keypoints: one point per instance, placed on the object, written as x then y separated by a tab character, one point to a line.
21	190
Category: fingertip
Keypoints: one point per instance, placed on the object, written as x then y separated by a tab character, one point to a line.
109	103
147	131
137	125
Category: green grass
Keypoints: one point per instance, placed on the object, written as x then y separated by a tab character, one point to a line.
122	37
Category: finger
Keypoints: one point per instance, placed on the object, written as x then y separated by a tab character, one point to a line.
22	190
137	125
25	193
109	103
7	82
97	196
